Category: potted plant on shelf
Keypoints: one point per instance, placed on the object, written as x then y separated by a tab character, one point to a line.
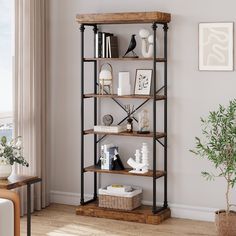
10	153
218	145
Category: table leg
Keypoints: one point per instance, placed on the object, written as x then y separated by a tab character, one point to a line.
28	209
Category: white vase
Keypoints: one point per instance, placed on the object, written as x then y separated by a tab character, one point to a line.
5	171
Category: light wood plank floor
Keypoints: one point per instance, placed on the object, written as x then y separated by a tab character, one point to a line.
60	220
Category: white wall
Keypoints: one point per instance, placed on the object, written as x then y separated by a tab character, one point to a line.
191	94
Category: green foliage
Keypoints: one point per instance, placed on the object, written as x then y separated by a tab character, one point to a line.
11	152
218	144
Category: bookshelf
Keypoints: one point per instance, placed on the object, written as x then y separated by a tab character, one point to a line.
89	207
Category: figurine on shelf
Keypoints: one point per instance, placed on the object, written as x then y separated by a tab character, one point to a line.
116	162
110	158
129	125
145	158
143	122
140	165
132	46
147	43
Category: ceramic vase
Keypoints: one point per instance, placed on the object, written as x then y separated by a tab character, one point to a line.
5	171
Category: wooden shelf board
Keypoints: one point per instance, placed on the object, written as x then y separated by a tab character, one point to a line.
93	168
124	59
143	214
124	18
92	95
134	134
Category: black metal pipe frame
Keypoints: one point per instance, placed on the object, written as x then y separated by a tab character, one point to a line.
154	208
82	28
165	28
95	29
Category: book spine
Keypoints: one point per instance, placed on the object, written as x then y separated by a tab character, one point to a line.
114	47
96	45
103	45
99	44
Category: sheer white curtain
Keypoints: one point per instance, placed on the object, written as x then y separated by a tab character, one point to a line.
30	94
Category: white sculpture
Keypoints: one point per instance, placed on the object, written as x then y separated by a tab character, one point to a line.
140	166
147	43
145	152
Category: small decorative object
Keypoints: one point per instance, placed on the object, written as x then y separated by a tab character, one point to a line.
140	165
143	122
216	46
147	43
132	46
137	156
116	162
110	158
143	82
10	153
145	158
129	126
218	145
106	78
107	120
124	200
107	153
138	168
124	87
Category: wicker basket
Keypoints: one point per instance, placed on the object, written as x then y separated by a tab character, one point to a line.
128	201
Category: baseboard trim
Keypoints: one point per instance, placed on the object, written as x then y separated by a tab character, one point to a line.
177	210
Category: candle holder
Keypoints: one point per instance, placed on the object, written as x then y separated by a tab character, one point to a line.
129	110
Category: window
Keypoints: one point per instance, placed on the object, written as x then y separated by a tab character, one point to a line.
6	66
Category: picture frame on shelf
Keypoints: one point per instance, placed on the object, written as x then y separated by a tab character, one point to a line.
143	81
216	46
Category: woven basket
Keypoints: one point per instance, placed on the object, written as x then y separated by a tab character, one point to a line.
225	224
120	202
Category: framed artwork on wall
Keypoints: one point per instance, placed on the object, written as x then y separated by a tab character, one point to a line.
143	81
216	46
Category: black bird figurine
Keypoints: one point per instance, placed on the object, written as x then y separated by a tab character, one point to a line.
132	46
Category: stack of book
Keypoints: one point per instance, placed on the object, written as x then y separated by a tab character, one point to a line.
106	45
109	129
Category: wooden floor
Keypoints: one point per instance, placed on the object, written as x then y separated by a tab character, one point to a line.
61	220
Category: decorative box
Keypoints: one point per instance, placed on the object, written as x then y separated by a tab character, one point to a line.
122	201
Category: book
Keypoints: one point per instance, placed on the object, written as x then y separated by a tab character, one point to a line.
113	47
96	45
118	188
99	45
103	44
109	129
107	47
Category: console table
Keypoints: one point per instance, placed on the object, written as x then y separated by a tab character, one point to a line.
15	181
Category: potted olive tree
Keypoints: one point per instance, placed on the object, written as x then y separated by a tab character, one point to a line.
218	145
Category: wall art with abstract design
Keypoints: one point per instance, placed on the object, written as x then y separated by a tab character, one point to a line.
216	46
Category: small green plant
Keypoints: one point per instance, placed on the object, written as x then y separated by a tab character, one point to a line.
218	145
11	152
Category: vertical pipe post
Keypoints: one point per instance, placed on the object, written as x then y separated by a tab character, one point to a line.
95	29
154	27
165	28
82	28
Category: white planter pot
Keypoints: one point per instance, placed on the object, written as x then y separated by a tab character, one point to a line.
5	171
